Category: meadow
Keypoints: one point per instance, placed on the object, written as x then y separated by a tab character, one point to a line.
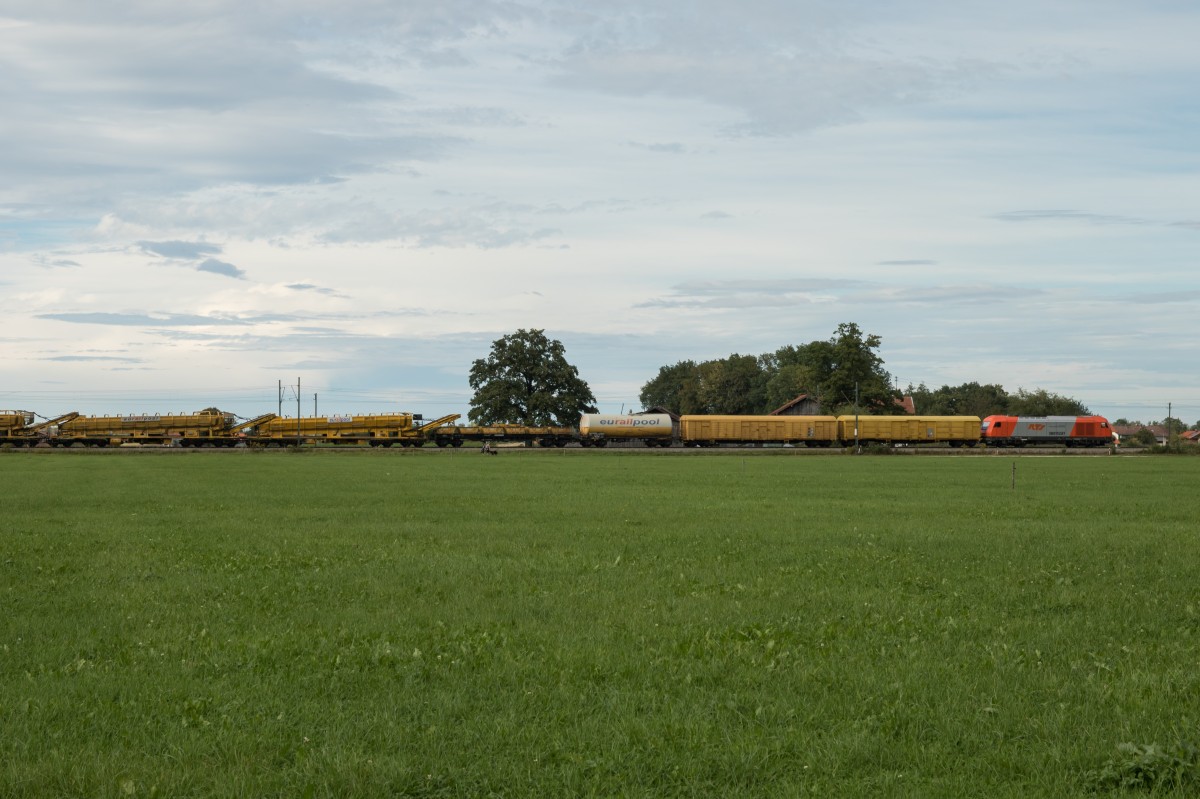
437	624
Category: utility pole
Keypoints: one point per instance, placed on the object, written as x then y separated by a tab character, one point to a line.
297	411
315	404
280	396
857	446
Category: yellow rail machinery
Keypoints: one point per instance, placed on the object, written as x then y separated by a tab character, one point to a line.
376	430
455	435
209	426
13	426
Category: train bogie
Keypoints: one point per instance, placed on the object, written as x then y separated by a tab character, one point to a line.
904	429
1068	431
813	431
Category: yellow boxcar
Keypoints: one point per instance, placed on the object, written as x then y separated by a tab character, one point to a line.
706	431
953	430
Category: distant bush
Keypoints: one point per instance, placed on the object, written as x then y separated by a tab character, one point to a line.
1176	448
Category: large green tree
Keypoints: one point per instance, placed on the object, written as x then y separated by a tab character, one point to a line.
526	379
733	385
854	373
676	388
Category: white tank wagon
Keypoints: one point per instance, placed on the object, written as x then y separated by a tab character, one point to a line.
654	429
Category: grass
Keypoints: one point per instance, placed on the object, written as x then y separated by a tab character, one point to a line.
554	624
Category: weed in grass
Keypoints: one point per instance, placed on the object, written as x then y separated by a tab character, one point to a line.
1150	767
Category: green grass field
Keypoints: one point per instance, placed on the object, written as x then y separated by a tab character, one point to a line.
438	624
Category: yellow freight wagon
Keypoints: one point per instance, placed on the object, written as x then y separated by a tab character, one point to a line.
547	436
14	422
376	430
707	431
956	431
207	425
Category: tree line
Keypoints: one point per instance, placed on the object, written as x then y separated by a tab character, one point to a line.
527	379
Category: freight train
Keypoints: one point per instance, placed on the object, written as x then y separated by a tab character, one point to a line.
215	428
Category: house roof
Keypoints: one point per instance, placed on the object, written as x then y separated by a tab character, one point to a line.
1123	430
660	409
906	404
792	403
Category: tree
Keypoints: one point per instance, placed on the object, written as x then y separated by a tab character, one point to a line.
676	388
733	385
527	380
853	363
969	399
1041	402
1145	437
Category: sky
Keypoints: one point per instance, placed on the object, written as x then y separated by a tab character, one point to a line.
205	200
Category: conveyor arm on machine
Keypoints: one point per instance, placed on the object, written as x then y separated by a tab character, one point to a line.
40	426
251	423
428	428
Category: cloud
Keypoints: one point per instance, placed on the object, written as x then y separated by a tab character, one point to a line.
315	289
194	251
213	266
1160	298
732	295
783	73
141	319
186	250
1061	215
907	262
671	148
748	294
86	358
47	262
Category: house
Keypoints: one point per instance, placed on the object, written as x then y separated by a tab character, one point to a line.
803	405
807	405
1128	432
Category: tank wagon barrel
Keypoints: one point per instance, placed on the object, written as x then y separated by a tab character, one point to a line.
653	429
